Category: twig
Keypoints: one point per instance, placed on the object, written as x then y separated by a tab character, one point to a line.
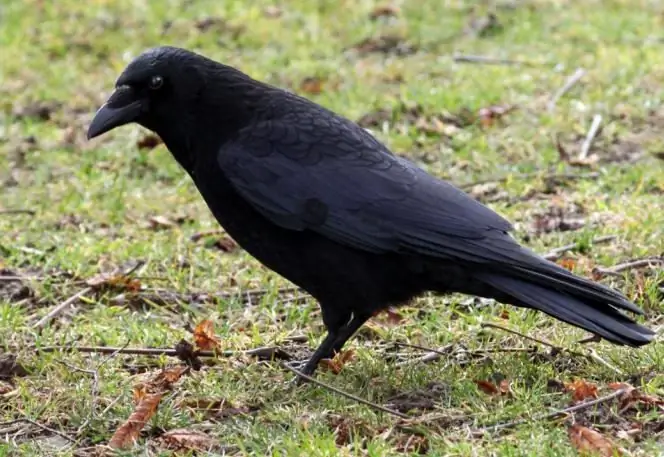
58	309
18	211
571	409
592	133
592	355
262	352
80	294
344	394
555	253
466	58
203	234
501	179
432	354
41	426
632	264
569	83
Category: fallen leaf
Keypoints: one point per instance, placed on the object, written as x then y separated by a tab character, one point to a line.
10	368
312	85
187	440
488	116
487	387
633	397
149	141
567	262
383	11
204	337
158	222
127	434
272	11
224	244
590	441
412	443
581	390
114	280
336	364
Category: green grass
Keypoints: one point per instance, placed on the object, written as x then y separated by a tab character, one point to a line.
93	202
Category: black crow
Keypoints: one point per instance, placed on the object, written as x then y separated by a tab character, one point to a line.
319	200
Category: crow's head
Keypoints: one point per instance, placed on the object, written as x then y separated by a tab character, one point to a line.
157	90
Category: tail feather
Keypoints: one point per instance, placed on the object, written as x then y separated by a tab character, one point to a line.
575	304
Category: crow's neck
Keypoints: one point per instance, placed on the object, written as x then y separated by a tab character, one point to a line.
229	102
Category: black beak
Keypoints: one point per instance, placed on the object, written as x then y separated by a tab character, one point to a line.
121	108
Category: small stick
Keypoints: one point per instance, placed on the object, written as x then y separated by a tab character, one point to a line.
593	355
432	354
18	211
568	176
466	58
592	133
266	352
614	270
569	83
199	235
80	294
375	406
58	309
41	426
555	253
539	417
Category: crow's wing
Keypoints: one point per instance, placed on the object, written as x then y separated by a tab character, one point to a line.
331	177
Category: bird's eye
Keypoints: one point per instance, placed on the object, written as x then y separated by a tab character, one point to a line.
156	82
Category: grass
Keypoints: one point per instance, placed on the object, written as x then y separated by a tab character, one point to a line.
93	202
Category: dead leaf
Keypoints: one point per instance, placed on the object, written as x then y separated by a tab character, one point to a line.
336	364
224	244
634	397
488	116
127	434
567	262
312	85
10	368
590	441
487	387
385	44
384	11
187	440
204	337
158	222
272	11
412	443
581	390
114	280
149	141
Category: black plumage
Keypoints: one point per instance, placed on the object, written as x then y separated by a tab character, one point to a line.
320	201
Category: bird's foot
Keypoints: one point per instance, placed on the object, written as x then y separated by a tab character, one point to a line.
305	367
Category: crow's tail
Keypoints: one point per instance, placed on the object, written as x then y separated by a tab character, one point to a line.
571	299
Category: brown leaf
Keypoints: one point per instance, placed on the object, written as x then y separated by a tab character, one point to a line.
204	337
581	390
384	11
159	222
487	387
567	262
589	441
488	116
633	397
272	11
127	434
336	364
149	141
9	367
187	440
412	443
312	85
114	280
224	244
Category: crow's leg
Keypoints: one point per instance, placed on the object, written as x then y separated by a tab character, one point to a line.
347	331
334	341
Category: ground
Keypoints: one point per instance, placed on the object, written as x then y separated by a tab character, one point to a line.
72	210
